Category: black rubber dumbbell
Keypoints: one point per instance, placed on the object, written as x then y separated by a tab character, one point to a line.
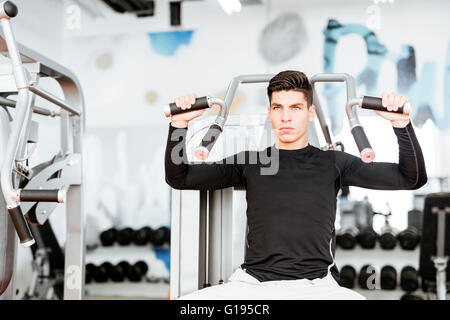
347	277
346	238
108	237
388	239
367	238
409	238
408	296
90	268
142	236
134	272
100	274
160	236
124	236
409	280
366	277
388	278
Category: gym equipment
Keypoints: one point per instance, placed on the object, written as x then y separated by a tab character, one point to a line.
160	236
108	237
356	224
409	280
435	244
365	277
99	273
408	296
367	238
409	238
134	272
347	277
142	236
388	238
124	236
37	191
388	278
90	270
209	227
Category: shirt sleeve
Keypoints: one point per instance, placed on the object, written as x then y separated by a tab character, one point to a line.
180	174
408	174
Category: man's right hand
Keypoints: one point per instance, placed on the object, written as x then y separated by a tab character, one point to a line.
185	102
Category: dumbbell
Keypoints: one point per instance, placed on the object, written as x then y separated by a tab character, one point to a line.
408	296
346	239
388	278
363	278
409	280
124	236
142	236
134	272
347	277
409	238
90	268
114	272
388	238
160	236
367	238
108	237
98	273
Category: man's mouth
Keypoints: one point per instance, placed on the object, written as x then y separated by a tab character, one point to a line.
285	129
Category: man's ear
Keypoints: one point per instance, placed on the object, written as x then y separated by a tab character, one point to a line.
311	112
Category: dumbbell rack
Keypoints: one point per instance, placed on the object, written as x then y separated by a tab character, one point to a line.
378	258
128	289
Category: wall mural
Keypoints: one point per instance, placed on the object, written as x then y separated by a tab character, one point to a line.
421	91
167	43
287	31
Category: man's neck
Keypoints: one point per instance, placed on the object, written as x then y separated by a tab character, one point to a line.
294	145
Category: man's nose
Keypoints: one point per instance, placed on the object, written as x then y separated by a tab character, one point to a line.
286	115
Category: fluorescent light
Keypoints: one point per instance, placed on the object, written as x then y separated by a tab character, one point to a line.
230	6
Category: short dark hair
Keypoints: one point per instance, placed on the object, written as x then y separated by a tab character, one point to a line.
291	80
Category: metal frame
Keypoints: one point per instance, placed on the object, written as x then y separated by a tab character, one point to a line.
22	76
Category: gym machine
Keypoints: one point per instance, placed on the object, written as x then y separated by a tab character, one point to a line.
208	228
30	195
435	245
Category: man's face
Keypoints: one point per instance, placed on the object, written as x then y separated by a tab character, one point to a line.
290	115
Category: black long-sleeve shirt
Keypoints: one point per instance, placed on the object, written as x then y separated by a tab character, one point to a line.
291	213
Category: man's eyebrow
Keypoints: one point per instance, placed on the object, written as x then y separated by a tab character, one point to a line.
274	104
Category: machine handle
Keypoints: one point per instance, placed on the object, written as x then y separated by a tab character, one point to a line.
200	103
22	229
208	141
42	195
375	103
9	9
366	151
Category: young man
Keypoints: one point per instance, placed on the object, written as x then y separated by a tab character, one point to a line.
291	214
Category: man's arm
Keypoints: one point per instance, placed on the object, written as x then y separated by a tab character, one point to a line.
408	174
180	174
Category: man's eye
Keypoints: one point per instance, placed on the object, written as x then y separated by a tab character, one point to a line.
297	107
276	108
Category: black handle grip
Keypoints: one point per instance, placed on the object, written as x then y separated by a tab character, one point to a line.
208	142
41	195
172	109
363	144
375	103
10	9
22	229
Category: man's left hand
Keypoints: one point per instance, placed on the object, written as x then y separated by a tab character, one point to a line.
393	101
